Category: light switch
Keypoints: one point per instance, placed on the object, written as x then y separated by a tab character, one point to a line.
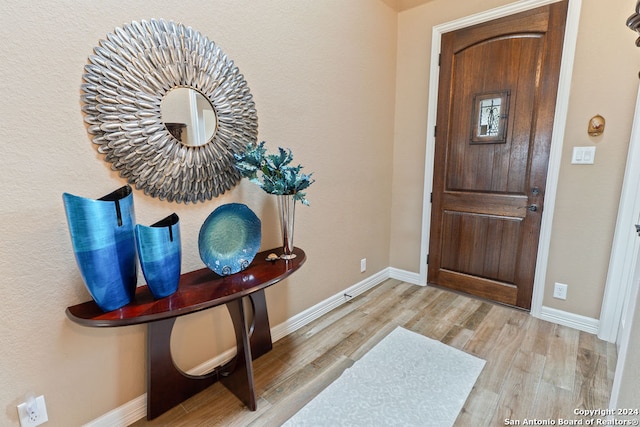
583	155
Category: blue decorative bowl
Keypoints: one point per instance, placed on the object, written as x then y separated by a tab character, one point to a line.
104	245
160	255
230	238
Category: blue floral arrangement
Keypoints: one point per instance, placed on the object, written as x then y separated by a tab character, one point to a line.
273	172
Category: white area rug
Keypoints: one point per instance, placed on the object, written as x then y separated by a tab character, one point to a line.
405	380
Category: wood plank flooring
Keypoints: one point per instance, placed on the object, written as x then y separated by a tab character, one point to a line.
534	369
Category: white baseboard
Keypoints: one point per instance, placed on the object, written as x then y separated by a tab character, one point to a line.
122	416
575	321
405	276
304	318
136	409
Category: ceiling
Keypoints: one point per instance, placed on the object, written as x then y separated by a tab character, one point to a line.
401	5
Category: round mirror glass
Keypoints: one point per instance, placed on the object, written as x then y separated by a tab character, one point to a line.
188	116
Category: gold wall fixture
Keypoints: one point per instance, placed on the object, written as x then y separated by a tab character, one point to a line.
596	125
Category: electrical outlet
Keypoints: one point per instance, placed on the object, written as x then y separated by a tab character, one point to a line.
33	412
363	265
560	291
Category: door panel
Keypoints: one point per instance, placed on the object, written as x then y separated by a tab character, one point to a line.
496	102
478	259
496	167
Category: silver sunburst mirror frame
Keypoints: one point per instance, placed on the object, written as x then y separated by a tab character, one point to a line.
125	82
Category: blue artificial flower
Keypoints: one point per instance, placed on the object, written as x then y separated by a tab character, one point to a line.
273	171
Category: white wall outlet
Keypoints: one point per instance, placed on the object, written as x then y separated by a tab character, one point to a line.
363	265
560	291
33	412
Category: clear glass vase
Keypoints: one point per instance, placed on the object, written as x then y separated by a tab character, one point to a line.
287	206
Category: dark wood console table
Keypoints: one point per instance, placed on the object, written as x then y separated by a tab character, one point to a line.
199	290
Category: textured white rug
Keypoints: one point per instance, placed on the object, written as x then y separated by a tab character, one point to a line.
405	380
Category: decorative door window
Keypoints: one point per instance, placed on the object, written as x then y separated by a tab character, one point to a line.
489	117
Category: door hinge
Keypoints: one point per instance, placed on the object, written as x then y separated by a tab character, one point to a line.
427	258
439	59
435	131
431	197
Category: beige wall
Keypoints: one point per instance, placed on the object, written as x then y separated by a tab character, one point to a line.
322	75
605	82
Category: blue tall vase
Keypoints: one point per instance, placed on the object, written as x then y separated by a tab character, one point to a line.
160	255
102	234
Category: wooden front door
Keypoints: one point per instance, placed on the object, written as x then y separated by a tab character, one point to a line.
496	103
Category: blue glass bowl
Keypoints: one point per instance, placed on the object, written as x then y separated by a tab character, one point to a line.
230	238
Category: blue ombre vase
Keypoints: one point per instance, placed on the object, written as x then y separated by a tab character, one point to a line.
102	234
160	255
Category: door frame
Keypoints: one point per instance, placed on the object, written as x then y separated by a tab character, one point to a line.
618	304
623	279
559	124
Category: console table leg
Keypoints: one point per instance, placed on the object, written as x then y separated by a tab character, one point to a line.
261	331
168	386
240	380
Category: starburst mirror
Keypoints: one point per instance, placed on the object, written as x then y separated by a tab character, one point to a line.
168	109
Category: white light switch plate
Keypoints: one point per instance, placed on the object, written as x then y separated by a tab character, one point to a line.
583	155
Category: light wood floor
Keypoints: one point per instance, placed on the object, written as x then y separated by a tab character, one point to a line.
534	369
